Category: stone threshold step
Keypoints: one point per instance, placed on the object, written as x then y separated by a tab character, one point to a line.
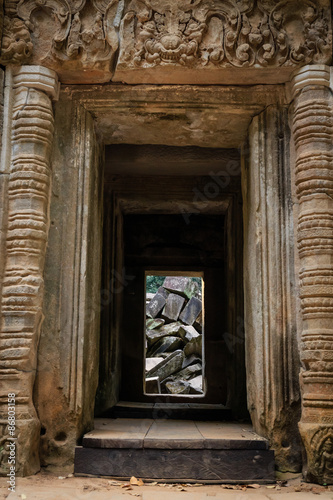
172	434
186	411
215	466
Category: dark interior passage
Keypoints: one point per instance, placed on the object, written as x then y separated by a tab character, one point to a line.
187	224
169	243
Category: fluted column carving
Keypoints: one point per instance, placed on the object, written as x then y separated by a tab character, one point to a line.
313	138
22	291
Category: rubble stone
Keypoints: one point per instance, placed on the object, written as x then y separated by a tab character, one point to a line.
155	305
153	385
195	384
152	323
198	324
162	291
176	328
151	362
166	333
190	333
194	347
154	336
181	285
191	360
191	311
178	387
166	344
168	366
188	372
173	307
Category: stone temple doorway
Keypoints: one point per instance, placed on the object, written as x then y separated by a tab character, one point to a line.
82	78
174	212
92	129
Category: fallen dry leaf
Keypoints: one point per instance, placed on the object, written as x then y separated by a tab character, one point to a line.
127	486
153	484
23	496
134	481
271	487
256	486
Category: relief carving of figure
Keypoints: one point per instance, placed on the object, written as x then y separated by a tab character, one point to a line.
74	37
93	39
324	462
90	41
169	37
16	46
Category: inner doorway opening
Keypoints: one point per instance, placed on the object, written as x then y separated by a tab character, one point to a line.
171	212
174	334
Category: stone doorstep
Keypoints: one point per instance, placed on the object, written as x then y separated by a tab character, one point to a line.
172	434
178	465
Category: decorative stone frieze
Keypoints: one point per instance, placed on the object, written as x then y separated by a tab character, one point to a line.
313	137
22	287
175	39
208	34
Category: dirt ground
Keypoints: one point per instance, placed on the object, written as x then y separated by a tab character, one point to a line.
49	486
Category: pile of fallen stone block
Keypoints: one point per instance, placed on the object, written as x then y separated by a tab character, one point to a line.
174	331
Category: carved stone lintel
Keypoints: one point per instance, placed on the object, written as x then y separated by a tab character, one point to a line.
80	39
313	133
213	36
22	292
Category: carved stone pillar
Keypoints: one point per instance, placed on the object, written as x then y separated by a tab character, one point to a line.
313	138
22	291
